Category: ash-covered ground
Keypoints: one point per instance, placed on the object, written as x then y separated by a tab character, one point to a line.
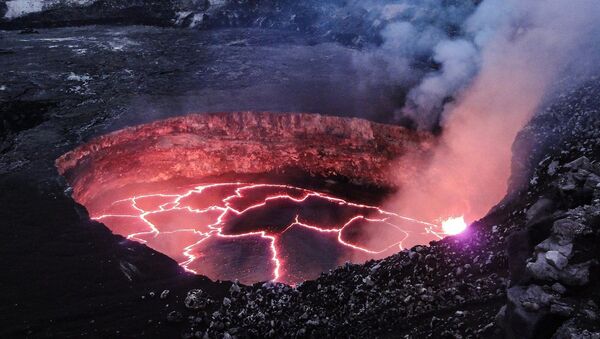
527	269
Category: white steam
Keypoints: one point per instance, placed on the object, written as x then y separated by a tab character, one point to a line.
460	62
509	57
423	51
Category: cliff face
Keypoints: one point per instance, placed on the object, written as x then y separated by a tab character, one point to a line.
204	145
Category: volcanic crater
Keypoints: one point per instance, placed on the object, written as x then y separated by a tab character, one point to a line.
254	196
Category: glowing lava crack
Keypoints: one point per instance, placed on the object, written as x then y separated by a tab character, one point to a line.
143	182
190	224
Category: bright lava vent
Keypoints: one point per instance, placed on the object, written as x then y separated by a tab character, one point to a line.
253	196
454	225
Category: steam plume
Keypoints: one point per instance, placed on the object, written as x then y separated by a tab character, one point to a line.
498	72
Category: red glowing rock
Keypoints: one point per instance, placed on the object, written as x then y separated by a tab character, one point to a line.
138	182
203	145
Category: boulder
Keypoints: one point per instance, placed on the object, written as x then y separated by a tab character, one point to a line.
541	269
541	209
553	244
557	259
569	229
527	307
553	267
567	184
576	275
592	183
580	163
196	299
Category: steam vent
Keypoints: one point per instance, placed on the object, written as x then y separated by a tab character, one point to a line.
252	196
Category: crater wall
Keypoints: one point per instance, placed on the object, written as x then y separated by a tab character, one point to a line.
204	145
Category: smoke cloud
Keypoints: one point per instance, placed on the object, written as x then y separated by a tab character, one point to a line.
490	82
422	55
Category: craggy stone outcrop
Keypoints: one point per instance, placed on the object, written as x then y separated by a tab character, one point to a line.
207	145
554	254
553	286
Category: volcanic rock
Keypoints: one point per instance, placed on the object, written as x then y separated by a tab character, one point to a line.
174	316
564	258
539	210
524	310
578	274
571	330
553	244
196	299
557	259
204	145
557	287
542	269
568	229
561	309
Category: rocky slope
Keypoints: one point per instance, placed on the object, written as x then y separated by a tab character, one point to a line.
554	273
529	269
555	289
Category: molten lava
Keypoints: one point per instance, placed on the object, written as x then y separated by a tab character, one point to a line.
454	225
240	195
192	224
